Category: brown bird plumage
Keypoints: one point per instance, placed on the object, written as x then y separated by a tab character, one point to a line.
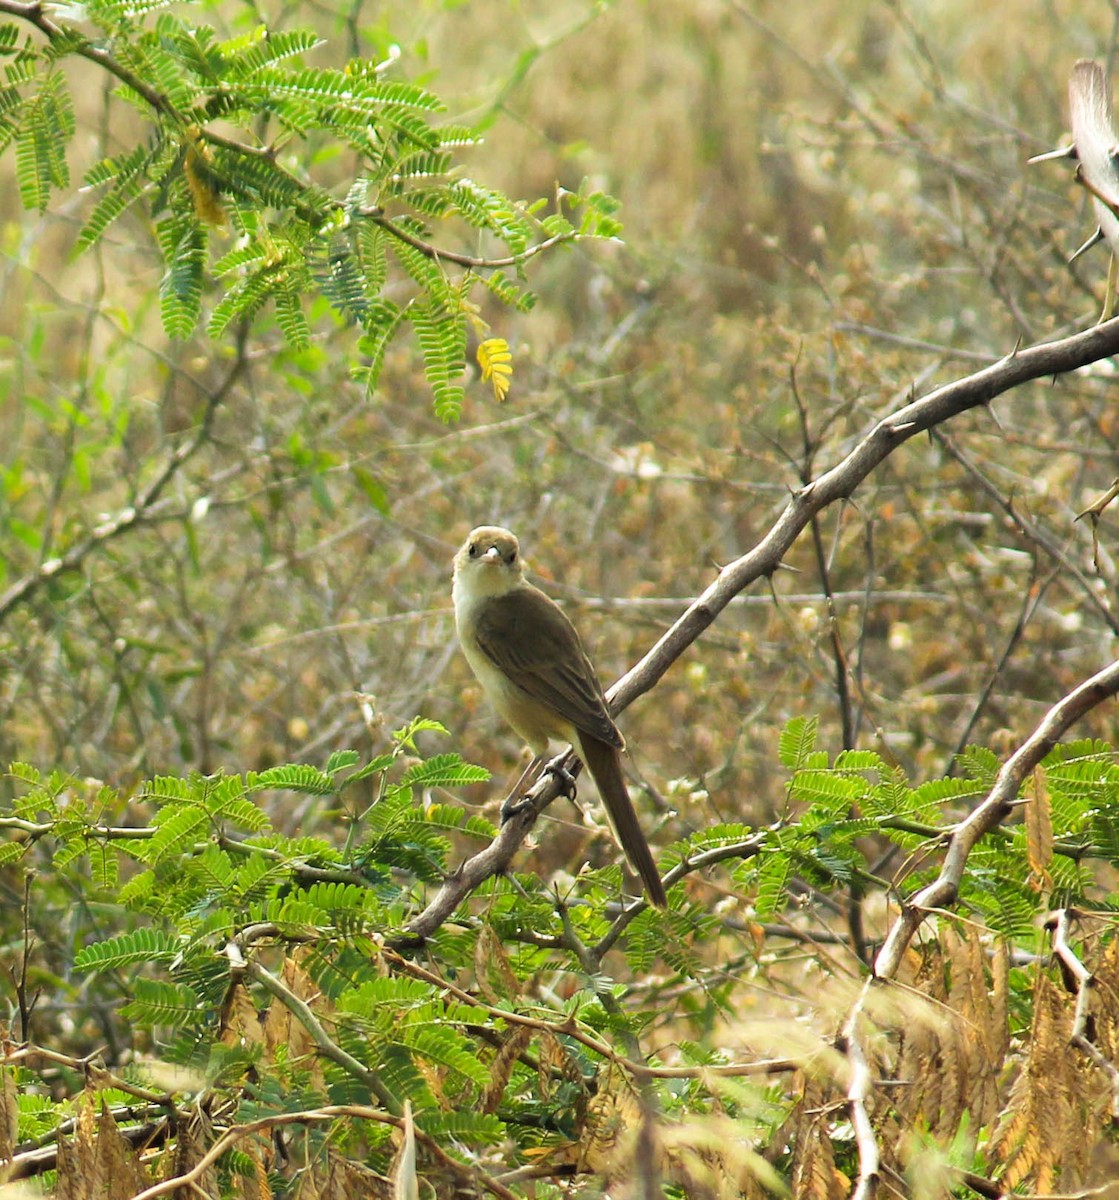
529	659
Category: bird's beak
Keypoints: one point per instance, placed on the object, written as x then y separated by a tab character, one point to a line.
492	555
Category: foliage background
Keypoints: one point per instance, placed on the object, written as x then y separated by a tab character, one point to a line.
826	208
769	208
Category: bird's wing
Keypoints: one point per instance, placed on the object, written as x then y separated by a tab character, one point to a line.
549	663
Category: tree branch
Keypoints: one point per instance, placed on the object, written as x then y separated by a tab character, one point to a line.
1036	362
1081	1037
471	1177
838	483
327	1047
994	809
470	261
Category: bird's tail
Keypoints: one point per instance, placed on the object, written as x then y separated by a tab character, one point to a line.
605	766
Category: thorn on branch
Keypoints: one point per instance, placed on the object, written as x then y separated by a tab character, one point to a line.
1068	151
1094	240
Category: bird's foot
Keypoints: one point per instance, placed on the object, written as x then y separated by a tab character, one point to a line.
563	777
514	804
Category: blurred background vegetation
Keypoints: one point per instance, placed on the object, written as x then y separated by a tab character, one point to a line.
828	202
826	209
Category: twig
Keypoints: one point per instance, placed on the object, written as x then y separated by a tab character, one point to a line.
744	849
858	1092
26	1005
1031	598
329	1048
310	1116
1032	532
89	1066
568	1029
1059	925
471	261
133	514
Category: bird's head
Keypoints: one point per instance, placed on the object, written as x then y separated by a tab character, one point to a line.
489	562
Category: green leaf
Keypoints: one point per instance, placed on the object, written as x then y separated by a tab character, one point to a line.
183	242
470	1128
11	851
45	132
247	55
798	740
179	827
340	759
292	777
773	874
291	318
509	293
442	338
159	1002
109	13
382	322
372	489
827	790
339	273
108	208
448	1050
443	770
138	946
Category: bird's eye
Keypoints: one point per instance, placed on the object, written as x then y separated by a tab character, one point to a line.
473	550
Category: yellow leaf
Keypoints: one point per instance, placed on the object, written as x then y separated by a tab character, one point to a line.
496	361
1039	834
203	190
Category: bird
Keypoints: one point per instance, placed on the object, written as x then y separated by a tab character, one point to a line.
531	664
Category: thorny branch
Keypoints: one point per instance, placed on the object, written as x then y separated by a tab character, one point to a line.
838	483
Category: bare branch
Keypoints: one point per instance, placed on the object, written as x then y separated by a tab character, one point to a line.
328	1113
858	1092
327	1047
1077	971
1036	362
994	809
